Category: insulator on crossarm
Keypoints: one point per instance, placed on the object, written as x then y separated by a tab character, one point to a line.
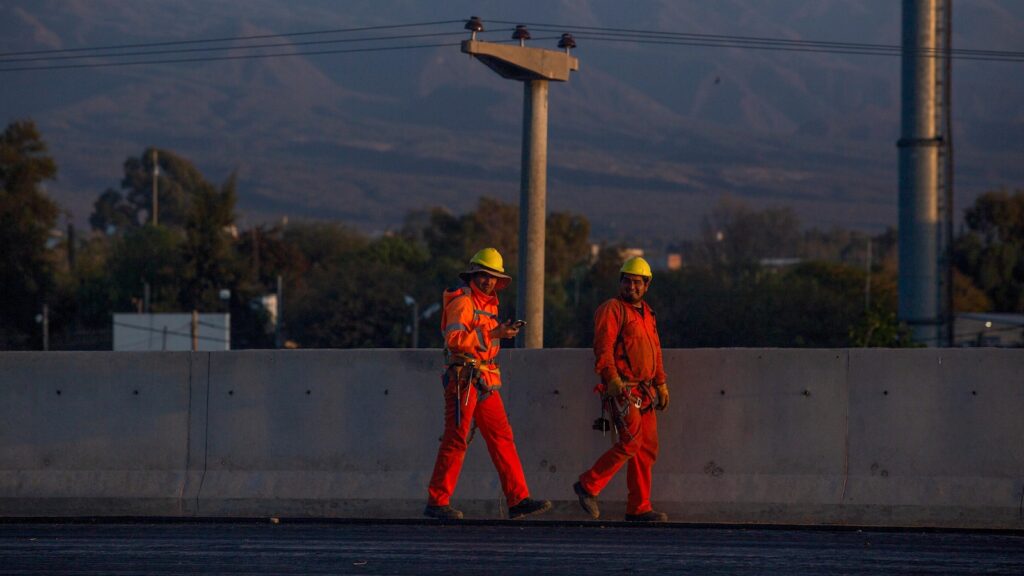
474	25
567	42
521	34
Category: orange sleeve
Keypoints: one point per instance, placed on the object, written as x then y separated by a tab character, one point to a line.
607	323
460	334
659	367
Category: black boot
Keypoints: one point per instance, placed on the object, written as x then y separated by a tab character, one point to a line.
587	501
528	507
649	516
442	512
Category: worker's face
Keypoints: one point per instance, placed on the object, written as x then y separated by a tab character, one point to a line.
632	288
484	282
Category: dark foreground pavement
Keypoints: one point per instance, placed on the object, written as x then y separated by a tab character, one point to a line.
492	548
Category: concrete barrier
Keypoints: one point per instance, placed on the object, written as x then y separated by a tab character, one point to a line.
865	437
86	433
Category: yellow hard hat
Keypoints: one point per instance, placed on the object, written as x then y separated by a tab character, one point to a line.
490	261
636	265
489	258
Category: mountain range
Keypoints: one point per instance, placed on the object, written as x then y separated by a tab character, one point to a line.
644	139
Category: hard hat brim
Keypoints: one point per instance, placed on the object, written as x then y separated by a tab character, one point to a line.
503	279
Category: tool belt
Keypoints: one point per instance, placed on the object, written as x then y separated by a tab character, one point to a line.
463	370
636	394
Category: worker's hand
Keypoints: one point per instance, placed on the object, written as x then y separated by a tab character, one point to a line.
505	330
662	391
614	387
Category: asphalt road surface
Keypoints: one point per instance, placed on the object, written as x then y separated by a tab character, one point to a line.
533	547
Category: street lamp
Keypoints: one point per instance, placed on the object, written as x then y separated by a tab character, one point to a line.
410	301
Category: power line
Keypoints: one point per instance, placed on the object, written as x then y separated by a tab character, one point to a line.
755	41
592	33
4	60
782	48
229	38
236	57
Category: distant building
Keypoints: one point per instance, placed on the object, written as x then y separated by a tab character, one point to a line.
627	253
989	330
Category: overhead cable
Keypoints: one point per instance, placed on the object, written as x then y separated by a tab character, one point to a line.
229	38
737	41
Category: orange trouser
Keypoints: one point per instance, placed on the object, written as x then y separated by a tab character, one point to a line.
492	422
637	447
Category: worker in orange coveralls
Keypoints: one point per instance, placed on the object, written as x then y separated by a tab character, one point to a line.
472	335
628	358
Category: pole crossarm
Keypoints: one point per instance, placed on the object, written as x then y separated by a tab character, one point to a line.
523	63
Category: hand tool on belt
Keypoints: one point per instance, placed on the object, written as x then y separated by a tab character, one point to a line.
461	370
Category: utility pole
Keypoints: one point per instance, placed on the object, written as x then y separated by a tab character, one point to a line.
415	326
535	67
867	279
918	172
156	202
280	313
944	119
46	327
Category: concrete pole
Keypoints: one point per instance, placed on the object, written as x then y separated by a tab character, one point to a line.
278	333
46	327
918	169
156	201
533	213
415	324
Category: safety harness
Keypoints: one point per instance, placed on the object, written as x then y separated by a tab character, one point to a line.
464	370
618	406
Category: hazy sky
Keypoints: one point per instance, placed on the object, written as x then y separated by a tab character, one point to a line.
644	139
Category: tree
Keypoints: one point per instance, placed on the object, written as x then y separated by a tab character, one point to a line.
566	259
353	292
177	184
111	213
991	252
148	255
209	259
735	238
27	216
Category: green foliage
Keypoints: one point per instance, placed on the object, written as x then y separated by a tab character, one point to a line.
90	284
111	213
814	304
178	183
210	263
344	289
735	238
991	252
881	329
26	217
354	296
148	254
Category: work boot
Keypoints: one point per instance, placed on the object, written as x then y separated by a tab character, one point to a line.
649	516
587	501
445	512
528	507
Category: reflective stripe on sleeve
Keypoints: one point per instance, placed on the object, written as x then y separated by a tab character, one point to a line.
455	326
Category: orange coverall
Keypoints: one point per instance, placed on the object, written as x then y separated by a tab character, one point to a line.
626	345
468	318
